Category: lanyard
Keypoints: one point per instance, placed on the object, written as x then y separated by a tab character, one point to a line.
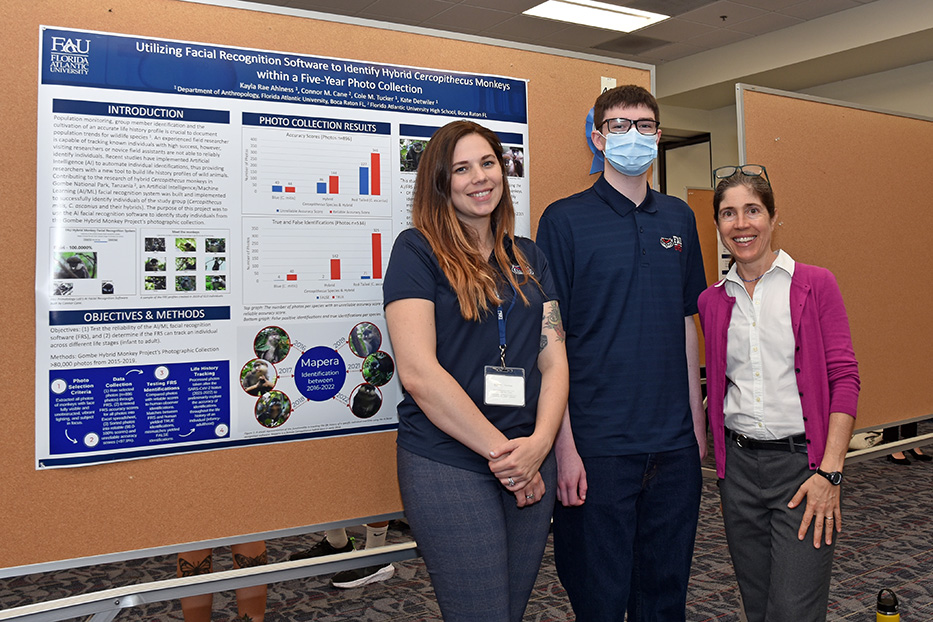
502	320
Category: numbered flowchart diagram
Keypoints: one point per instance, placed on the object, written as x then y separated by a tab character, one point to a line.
291	387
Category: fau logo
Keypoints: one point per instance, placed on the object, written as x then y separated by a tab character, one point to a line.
71	46
70	56
674	242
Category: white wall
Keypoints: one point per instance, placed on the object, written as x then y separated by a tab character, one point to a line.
907	89
688	167
724	131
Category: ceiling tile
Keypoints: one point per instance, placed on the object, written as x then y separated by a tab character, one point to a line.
670	52
467	18
631	44
712	14
664	7
509	6
674	30
342	7
768	22
811	9
404	11
526	28
581	36
768	5
717	38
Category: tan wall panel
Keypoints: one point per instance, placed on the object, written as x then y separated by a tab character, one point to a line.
852	194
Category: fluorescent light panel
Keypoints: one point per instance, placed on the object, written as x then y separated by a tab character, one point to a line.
595	14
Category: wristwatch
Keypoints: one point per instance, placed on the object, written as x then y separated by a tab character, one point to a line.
835	478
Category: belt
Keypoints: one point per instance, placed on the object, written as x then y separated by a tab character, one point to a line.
791	443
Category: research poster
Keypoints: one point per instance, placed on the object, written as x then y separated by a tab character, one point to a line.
214	224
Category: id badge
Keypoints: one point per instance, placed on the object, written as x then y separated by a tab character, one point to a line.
504	386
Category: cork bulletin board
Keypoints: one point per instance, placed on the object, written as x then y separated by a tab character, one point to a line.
700	201
852	194
69	514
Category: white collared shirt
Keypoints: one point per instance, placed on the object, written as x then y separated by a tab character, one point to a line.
762	400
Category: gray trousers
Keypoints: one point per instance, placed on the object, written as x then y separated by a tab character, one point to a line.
781	578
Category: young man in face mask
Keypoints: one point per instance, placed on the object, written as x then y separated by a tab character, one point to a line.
627	266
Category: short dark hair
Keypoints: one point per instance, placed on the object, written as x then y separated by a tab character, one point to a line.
756	183
626	96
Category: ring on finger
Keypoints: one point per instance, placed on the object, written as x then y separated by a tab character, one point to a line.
530	497
511	482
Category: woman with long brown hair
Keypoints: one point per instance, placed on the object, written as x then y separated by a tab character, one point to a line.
478	340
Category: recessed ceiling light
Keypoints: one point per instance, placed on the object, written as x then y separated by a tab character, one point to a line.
595	14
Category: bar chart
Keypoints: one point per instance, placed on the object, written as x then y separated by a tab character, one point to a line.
314	260
302	172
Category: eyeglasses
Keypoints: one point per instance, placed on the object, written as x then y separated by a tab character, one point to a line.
648	127
751	170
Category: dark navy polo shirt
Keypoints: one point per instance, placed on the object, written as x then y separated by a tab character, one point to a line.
626	276
464	348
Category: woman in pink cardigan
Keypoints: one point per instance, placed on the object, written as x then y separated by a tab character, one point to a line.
782	385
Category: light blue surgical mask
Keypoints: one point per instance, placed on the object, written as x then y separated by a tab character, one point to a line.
631	153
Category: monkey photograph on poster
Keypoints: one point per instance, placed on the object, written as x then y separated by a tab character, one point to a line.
186	245
76	266
256	378
272	344
273	409
185	284
215	245
366	401
378	368
155	245
186	263
62	289
410	154
365	339
215	283
155	283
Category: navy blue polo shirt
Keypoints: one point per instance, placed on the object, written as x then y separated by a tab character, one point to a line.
464	347
626	276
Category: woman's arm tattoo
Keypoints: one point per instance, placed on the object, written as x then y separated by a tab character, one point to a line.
552	321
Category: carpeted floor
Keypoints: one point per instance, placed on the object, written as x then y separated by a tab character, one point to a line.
887	543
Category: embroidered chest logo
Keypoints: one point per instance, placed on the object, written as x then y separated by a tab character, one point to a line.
674	242
516	269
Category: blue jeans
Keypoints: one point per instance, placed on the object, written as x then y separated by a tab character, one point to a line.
630	546
482	552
